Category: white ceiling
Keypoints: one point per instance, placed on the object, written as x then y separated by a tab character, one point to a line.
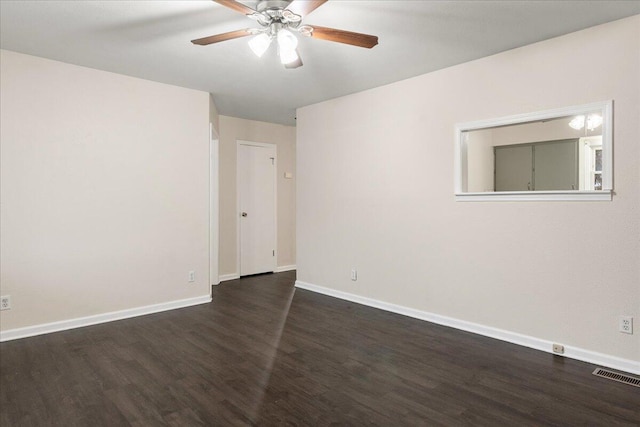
151	40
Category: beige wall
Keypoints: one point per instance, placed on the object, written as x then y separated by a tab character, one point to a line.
231	130
375	192
104	191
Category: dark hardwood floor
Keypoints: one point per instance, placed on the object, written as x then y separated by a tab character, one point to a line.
265	354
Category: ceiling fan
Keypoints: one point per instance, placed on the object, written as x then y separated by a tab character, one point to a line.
279	20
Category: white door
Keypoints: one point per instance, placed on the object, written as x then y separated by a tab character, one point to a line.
257	207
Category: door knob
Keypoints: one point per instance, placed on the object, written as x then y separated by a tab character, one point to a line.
244	214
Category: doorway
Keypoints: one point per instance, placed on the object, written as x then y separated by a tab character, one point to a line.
256	168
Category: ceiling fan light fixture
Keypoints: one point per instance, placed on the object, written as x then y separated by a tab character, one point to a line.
288	56
259	44
278	19
287	44
286	40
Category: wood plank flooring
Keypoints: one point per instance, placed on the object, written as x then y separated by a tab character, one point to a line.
263	353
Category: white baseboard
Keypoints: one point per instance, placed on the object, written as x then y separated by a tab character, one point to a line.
234	276
46	328
577	353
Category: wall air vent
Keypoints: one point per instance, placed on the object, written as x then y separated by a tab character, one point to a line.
622	378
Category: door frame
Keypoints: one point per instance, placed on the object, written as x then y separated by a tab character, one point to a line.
240	142
214	207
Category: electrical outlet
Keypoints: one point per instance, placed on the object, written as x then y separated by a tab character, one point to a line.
558	348
192	276
626	325
5	302
354	274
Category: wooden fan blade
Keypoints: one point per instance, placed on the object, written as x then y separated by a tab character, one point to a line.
221	37
341	36
295	64
238	7
305	7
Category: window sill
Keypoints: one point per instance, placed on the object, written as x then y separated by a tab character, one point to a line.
533	196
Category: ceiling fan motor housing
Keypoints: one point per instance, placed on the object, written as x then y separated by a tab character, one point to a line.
275	11
264	5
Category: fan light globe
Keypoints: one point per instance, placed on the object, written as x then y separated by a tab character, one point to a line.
288	56
259	44
286	40
287	44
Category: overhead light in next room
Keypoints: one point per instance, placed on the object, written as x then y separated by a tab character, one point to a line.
592	121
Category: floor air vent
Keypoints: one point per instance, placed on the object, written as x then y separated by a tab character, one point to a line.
604	373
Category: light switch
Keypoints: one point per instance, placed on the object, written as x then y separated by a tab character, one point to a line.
288	175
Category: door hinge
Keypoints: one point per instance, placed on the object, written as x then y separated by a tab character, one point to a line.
273	253
273	160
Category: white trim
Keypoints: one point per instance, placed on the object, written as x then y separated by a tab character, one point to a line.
240	142
593	357
529	196
214	204
588	146
542	115
234	276
63	325
460	157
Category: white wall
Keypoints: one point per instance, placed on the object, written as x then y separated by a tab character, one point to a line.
284	137
375	192
104	191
